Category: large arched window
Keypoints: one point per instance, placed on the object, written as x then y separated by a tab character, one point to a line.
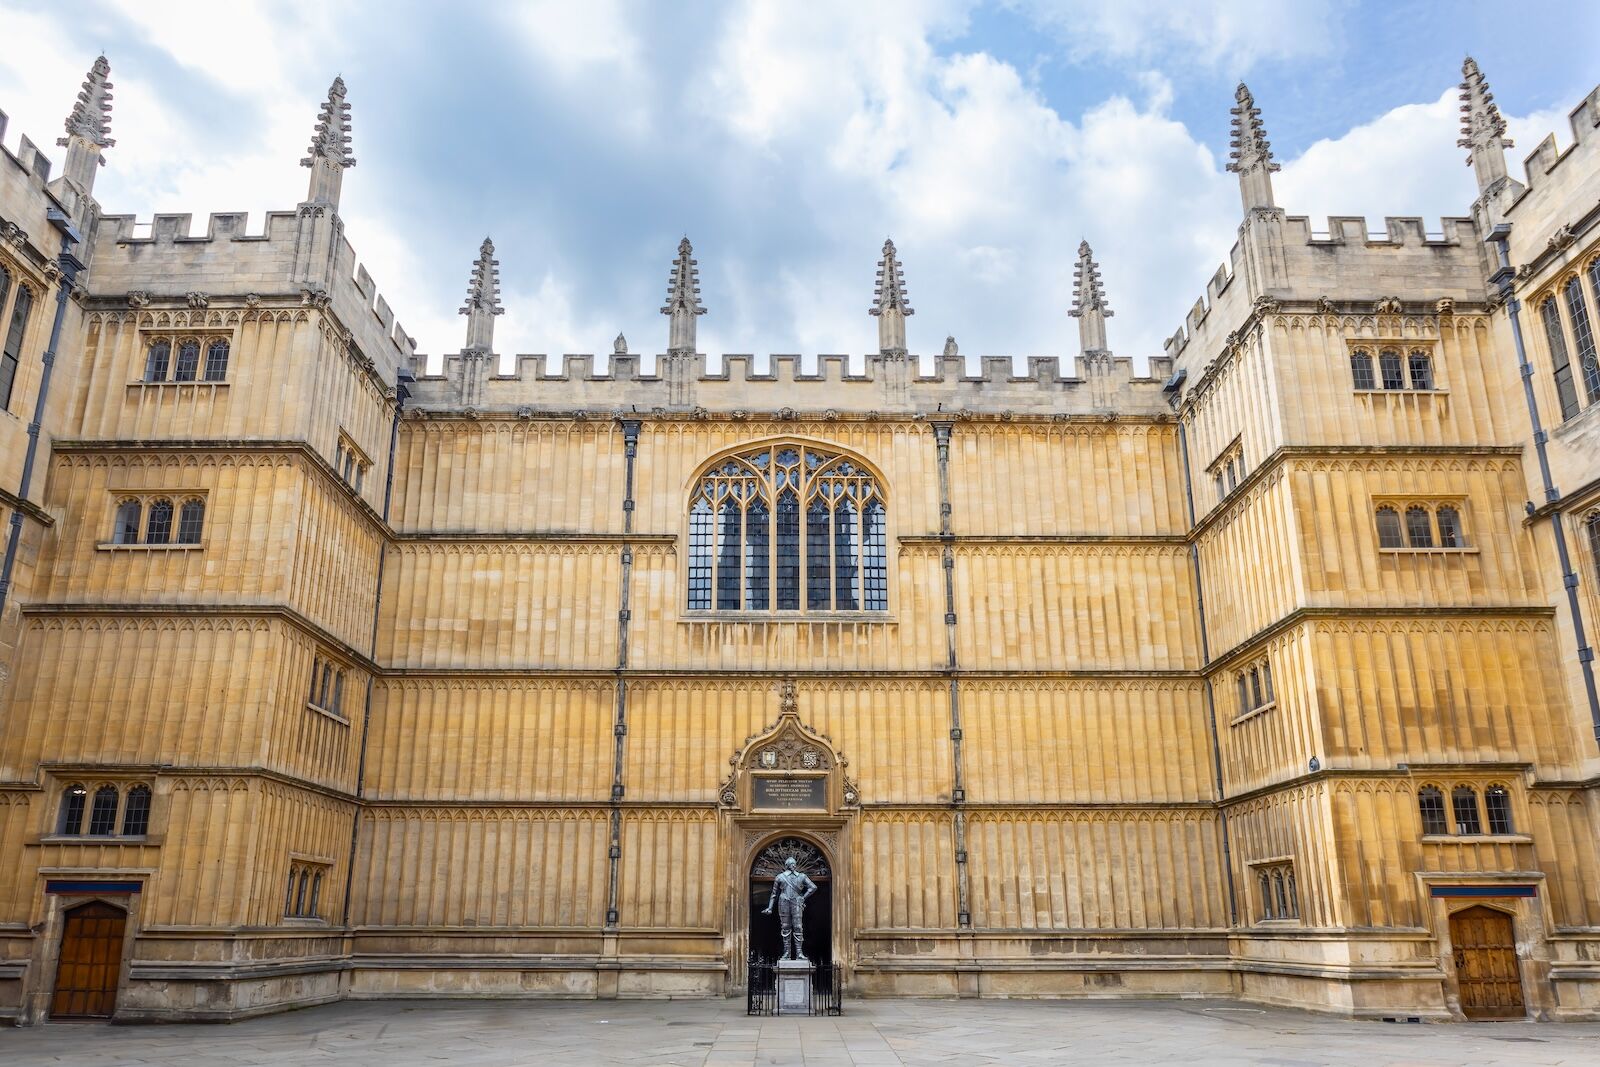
765	521
1583	334
1560	364
11	353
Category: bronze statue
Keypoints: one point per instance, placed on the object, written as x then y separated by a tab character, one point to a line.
789	891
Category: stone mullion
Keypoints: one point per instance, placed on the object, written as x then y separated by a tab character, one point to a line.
958	792
630	439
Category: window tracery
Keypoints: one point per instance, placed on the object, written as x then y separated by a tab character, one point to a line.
763	520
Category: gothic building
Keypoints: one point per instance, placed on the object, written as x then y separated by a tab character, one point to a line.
323	676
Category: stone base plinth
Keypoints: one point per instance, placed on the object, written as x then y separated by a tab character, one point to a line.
794	986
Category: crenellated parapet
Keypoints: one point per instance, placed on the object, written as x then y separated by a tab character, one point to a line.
1094	384
287	257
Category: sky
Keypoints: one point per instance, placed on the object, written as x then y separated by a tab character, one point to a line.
788	140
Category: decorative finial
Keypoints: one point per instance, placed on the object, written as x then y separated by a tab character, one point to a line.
1483	128
683	301
950	346
1251	153
890	304
483	299
1089	304
329	153
619	347
91	115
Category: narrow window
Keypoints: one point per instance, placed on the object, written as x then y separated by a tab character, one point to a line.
1389	529
817	584
316	894
1430	805
217	361
1419	528
1421	367
1566	389
1233	475
1294	898
1283	894
361	474
127	526
1583	336
1591	529
788	551
729	557
316	672
1255	688
757	556
846	557
700	556
337	707
1244	693
73	800
191	520
1361	369
1464	799
1222	487
1497	806
1449	527
1266	681
159	529
11	355
188	364
349	468
300	892
1264	883
876	574
157	360
327	686
288	896
136	812
1394	373
103	816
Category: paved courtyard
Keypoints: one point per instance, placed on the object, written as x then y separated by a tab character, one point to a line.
946	1033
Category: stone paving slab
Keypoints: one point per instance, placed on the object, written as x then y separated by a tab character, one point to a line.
704	1033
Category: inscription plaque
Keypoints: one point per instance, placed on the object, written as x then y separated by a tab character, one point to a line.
774	792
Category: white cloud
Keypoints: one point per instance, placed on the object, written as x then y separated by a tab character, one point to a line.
1232	35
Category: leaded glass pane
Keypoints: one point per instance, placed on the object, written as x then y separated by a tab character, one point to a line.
1430	805
157	360
1361	370
1394	373
127	525
700	556
1389	529
1421	367
136	812
1497	805
188	364
788	551
1449	528
217	361
159	530
73	802
729	559
846	557
103	816
1465	801
1566	391
817	576
1419	529
1583	336
757	557
191	520
876	570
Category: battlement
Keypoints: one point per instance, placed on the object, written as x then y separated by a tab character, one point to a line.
1098	384
1546	157
164	254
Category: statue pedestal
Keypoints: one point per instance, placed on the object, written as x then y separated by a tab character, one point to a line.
794	986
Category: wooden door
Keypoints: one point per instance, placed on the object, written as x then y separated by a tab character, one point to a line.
91	959
1488	979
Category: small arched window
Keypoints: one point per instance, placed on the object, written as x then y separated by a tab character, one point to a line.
136	812
1449	527
1282	893
1419	528
746	552
1294	898
1583	336
73	800
1361	369
1591	532
1430	805
1464	800
1389	528
157	359
300	892
327	685
316	894
1560	365
1264	884
191	521
187	367
11	354
288	896
103	816
1421	367
1266	681
1394	371
338	694
217	361
159	530
126	531
1255	688
1497	806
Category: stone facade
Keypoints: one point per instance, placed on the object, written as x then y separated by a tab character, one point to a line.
1151	706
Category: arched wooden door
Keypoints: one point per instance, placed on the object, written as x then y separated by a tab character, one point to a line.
91	959
1488	978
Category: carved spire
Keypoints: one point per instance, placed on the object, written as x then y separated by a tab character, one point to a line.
1483	128
1089	304
483	300
890	304
329	154
1251	155
683	301
88	127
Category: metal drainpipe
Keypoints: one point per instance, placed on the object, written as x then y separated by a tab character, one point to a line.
372	652
1211	700
1502	279
70	266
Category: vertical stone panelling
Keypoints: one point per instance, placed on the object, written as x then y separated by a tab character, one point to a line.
1292	824
17	821
1566	832
905	863
669	876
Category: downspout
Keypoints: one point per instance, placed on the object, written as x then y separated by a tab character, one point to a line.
1502	280
70	266
1205	660
401	394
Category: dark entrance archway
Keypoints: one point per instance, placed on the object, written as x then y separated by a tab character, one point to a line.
766	941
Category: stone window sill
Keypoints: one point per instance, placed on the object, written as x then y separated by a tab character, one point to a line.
95	839
304	920
1402	392
1477	839
1464	550
114	546
1261	709
787	616
142	384
327	713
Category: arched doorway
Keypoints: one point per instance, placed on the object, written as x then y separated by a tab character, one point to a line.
766	941
90	962
1488	975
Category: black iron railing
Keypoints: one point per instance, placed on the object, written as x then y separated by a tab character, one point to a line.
827	990
761	990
